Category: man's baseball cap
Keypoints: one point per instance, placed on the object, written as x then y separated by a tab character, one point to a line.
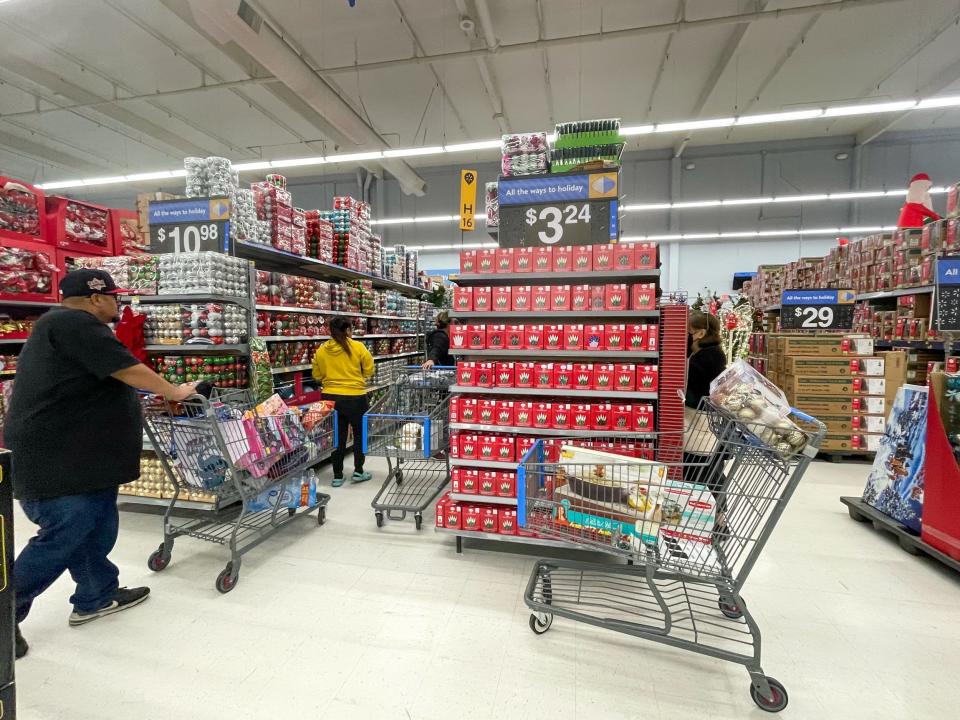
87	282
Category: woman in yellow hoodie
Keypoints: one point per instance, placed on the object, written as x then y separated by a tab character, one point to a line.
341	366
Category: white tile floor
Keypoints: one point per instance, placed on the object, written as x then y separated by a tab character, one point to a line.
348	621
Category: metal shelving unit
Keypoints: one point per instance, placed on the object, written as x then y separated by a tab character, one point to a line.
558	278
205	349
460	535
552	392
485	464
612	354
551	432
188	298
314	311
487	499
899	292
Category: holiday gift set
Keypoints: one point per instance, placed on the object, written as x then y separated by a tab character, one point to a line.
562	258
638	337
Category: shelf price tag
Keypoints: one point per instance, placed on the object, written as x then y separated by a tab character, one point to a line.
817	309
190	225
947	288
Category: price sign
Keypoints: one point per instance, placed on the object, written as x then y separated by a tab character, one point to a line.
190	225
817	309
947	315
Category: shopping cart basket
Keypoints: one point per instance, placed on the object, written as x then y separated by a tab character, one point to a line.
690	532
409	427
252	463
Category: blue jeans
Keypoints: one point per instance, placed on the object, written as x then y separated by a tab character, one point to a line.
76	533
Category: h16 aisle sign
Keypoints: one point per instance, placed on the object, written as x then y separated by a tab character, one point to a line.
190	225
817	309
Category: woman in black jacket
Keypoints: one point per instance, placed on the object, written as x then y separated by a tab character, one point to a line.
707	359
438	344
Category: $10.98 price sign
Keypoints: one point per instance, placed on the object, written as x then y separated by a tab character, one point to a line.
817	309
190	225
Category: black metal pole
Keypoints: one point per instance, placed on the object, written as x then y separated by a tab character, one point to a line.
8	698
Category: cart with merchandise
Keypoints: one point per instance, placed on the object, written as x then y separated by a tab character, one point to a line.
255	459
689	531
410	428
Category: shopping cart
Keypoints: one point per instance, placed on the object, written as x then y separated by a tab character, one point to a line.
252	463
409	427
690	532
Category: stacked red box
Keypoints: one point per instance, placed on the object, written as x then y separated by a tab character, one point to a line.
543	376
504	413
463	299
125	229
534	336
603	257
645	256
560	298
502	298
553	337
482	299
615	337
469	410
488	411
524	375
583	376
505	374
540	299
563	376
542	259
582	258
521	298
573	337
507	483
24	212
490	519
458	337
28	272
523	413
485	374
563	259
486	261
77	226
496	337
468	262
672	372
616	296
643	296
466	373
504	260
580	297
523	260
561	416
605	376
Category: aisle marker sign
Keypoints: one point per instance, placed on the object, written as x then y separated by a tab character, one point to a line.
824	309
468	199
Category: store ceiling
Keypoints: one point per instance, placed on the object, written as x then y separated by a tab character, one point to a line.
283	92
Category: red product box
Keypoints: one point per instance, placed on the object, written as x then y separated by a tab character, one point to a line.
516	337
624	377
504	259
505	374
541	298
553	337
622	417
615	337
469	447
486	447
644	256
643	296
604	376
486	261
953	197
601	416
580	297
573	337
469	410
77	226
125	228
482	299
926	270
488	482
522	297
543	376
623	256
583	376
455	408
458	337
615	296
470	520
581	416
598	297
636	337
486	373
524	374
476	337
25	220
643	418
454	444
542	414
442	510
648	378
508	521
505	448
561	416
490	520
496	337
466	373
950	235
507	482
505	412
563	376
464	480
563	258
502	298
487	410
523	260
523	413
542	259
534	336
452	515
468	261
593	338
603	257
524	443
582	258
560	297
653	337
463	299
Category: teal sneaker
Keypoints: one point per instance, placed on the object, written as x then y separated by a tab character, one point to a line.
337	482
359	477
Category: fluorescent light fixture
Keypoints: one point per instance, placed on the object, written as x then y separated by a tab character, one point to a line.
159	175
298	162
694	125
636	130
105	180
414	151
695	204
746	201
436	218
479	145
393	221
937	190
862	229
800	198
857	195
647	207
896	193
939	102
259	165
356	157
764	118
869	108
57	184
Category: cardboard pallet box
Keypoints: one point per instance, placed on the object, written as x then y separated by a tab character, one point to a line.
823	345
835	367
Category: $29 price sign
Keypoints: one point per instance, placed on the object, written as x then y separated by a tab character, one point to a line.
190	225
817	309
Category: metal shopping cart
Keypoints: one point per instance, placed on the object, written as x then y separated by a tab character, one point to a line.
409	427
690	532
253	464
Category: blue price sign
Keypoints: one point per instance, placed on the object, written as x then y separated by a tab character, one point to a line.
824	309
947	316
190	225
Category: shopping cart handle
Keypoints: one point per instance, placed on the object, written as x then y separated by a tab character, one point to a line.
803	416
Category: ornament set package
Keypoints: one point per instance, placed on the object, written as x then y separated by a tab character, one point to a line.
178	324
210	177
492	205
319	236
70	221
293	290
221	370
203	272
21	209
270	323
524	154
133	272
402	265
26	271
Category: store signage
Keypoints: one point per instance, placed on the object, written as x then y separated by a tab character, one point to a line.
558	188
947	315
824	309
573	223
190	225
468	199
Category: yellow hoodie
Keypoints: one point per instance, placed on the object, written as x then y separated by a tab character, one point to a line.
340	374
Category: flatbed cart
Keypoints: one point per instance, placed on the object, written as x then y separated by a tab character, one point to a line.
410	428
689	544
248	460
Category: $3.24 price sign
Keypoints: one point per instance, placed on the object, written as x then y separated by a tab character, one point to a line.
817	309
551	223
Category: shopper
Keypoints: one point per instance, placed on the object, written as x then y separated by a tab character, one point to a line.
74	427
438	343
342	366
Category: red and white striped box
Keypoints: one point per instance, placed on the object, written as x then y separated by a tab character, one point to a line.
615	337
534	336
524	374
516	337
504	258
604	376
543	376
482	299
505	374
485	374
625	377
563	376
583	376
502	298
522	297
553	337
560	296
563	258
573	337
561	416
540	302
580	297
523	413
463	299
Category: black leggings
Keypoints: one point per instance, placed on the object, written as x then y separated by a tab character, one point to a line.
350	410
708	470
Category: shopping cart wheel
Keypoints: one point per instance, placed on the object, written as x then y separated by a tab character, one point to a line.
321	516
226	581
418	520
775	704
379	516
159	559
539	626
730	610
399	477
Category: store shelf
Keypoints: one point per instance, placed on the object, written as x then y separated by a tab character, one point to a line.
555	278
314	311
124	499
613	354
189	298
13	341
909	344
398	355
483	499
485	464
899	292
289	368
772	308
520	539
292	338
550	432
553	392
205	349
268	258
7	373
544	316
27	304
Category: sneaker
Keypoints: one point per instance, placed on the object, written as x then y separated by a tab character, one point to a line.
123	599
22	648
337	482
359	477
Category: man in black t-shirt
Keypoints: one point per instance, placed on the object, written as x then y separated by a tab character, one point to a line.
74	426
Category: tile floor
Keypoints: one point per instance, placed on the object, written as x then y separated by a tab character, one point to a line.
348	621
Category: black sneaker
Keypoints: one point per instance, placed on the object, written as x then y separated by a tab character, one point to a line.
123	599
22	648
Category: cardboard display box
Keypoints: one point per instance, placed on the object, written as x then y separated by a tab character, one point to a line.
822	346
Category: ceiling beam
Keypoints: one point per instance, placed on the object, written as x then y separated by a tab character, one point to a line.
33	150
545	59
487	77
681	13
782	60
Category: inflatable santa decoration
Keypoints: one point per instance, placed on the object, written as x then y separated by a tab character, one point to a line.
918	209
